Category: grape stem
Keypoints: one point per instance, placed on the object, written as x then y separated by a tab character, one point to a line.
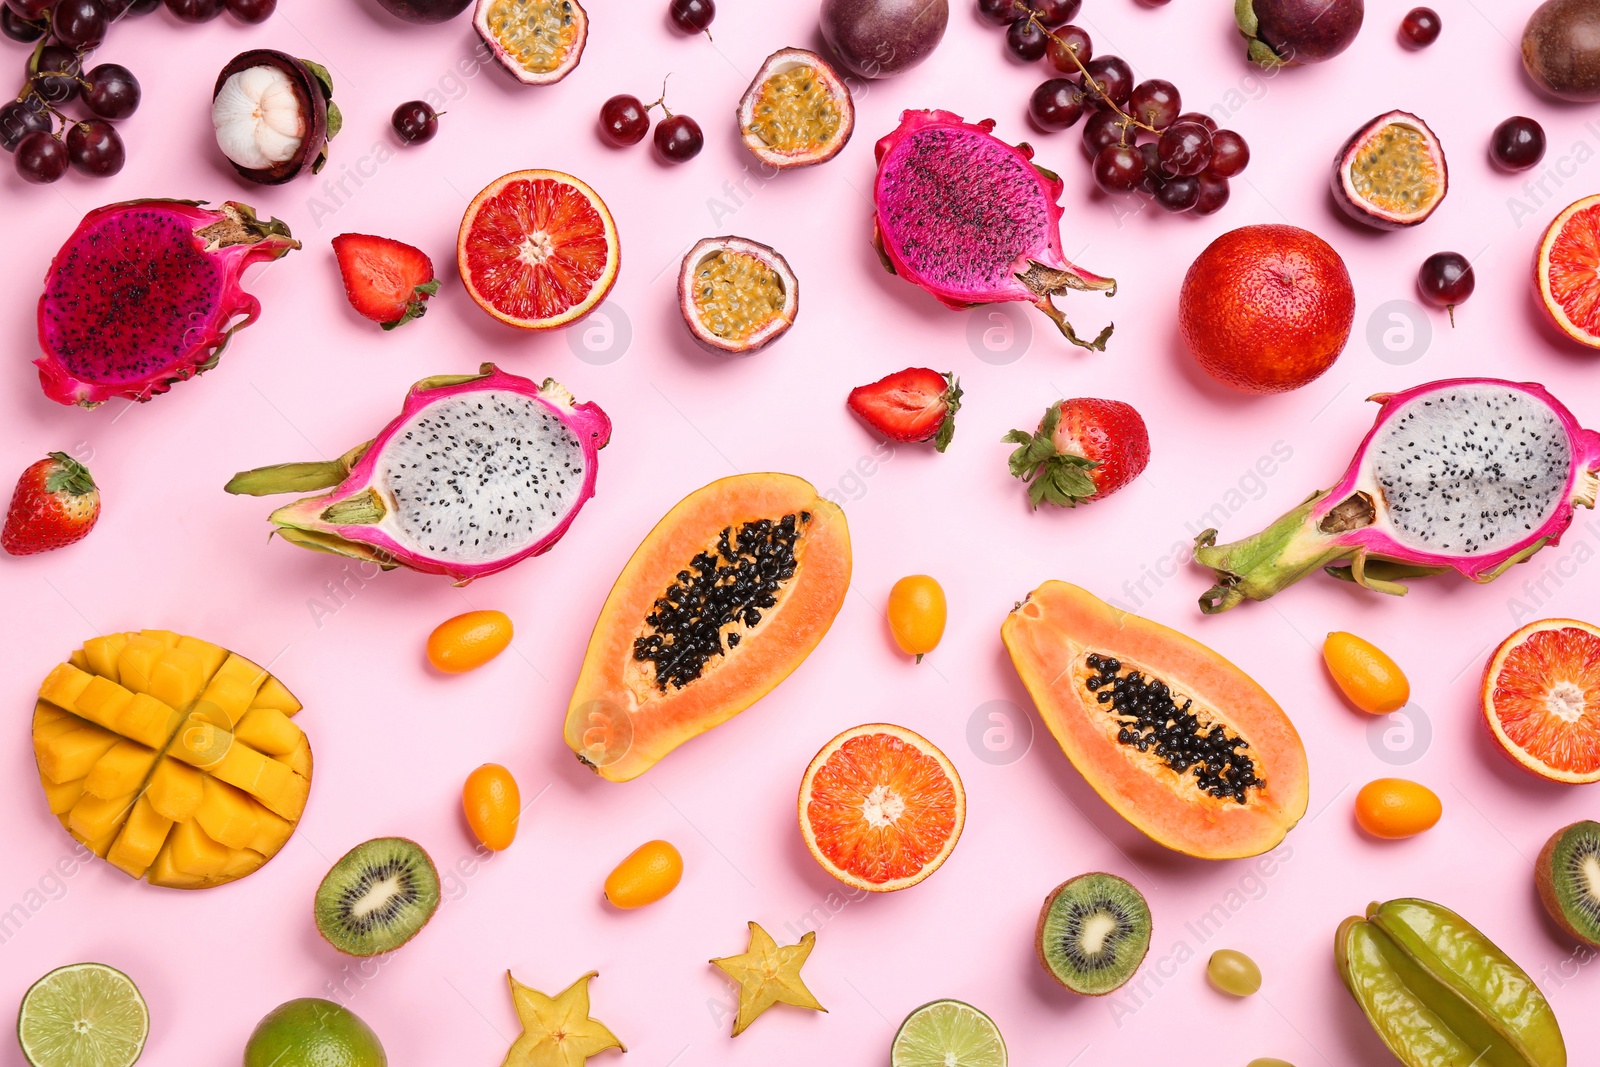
1088	80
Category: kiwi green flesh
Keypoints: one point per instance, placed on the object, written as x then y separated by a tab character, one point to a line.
377	897
1093	932
1569	880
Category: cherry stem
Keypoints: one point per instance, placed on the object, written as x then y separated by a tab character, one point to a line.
661	101
1451	309
1088	79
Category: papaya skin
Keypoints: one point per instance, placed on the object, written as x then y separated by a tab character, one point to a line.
620	723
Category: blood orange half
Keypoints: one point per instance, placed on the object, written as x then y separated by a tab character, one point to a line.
1567	272
881	808
1541	697
538	249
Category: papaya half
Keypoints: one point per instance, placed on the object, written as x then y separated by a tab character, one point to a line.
1179	741
722	601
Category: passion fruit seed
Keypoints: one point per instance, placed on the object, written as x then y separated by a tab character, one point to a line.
736	294
538	34
1233	973
1152	719
794	110
729	586
1395	171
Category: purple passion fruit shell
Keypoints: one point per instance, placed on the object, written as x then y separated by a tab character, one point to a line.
1282	33
319	116
797	111
882	38
736	295
538	46
1561	49
425	11
1391	172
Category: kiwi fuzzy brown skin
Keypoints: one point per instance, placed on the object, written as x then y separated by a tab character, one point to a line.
882	38
1038	937
422	855
313	105
1561	49
1544	876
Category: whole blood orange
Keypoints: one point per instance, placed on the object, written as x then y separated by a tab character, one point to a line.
1541	698
538	249
881	808
1267	308
1567	271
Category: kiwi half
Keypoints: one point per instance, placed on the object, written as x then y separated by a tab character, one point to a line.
377	897
1568	872
1093	933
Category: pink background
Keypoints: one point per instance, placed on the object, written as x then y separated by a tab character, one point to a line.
394	741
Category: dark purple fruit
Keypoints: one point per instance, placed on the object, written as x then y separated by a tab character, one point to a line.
1155	102
1003	12
1118	168
624	119
1184	149
1056	104
79	24
18	118
143	7
1069	39
1179	194
882	38
251	11
678	138
1026	40
1213	194
41	158
1201	117
1445	280
415	121
1114	77
1420	27
692	16
32	10
195	10
1229	154
1561	49
1286	32
54	69
1102	128
1517	144
1055	13
95	148
425	10
18	28
113	92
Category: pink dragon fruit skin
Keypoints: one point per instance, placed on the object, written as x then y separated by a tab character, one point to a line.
145	294
1471	475
477	473
972	220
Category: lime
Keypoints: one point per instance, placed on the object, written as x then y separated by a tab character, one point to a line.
948	1033
85	1015
313	1033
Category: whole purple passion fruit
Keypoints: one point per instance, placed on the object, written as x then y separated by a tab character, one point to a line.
425	10
882	38
1561	49
1282	33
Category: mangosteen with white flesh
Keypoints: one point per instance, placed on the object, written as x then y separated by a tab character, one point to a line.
274	115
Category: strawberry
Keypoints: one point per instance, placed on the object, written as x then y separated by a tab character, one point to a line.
386	281
916	404
56	503
1084	449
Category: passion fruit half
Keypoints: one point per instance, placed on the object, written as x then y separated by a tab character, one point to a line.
797	111
538	41
1391	172
274	115
736	295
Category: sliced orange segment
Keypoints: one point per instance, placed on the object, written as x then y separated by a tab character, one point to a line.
1541	698
538	249
881	808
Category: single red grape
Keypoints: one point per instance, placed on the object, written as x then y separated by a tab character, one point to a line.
1055	13
1213	194
624	120
18	118
678	138
1184	149
79	24
692	16
113	92
1179	194
95	148
1420	27
54	70
195	10
415	121
1229	154
1445	280
18	28
1102	128
1118	168
251	11
32	10
1026	40
1155	102
1198	116
1069	39
1056	104
1114	77
41	158
1517	144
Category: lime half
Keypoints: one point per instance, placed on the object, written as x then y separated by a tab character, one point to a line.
85	1015
948	1033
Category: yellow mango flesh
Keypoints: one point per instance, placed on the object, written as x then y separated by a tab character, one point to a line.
170	757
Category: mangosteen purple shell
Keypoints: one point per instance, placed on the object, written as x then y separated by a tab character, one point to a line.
1283	33
313	87
425	11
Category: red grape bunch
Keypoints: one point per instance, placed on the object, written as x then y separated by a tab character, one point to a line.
46	141
1136	134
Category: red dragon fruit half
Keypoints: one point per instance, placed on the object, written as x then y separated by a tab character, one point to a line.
477	473
973	220
147	293
1470	475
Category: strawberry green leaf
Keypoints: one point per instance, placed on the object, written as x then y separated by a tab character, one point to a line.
70	476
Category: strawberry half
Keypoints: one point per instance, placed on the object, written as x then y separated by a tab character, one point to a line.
55	504
387	281
1083	450
916	404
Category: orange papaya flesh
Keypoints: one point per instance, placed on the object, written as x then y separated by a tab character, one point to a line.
722	601
1179	741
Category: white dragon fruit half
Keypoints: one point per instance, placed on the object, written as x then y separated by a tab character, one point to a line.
477	473
1470	475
